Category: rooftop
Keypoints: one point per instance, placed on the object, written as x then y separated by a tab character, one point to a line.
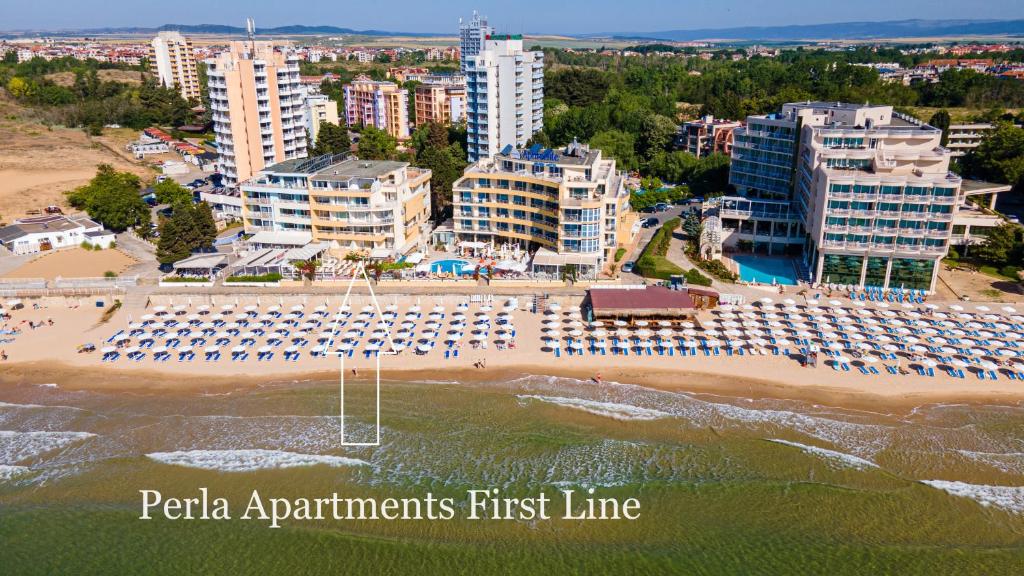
336	167
573	154
648	301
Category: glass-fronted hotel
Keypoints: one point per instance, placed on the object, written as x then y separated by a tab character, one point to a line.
570	205
380	207
864	194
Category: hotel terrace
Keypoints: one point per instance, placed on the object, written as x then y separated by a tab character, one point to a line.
381	208
569	205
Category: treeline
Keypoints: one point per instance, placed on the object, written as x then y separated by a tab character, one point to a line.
734	89
89	101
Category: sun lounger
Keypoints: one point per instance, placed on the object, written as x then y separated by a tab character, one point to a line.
892	370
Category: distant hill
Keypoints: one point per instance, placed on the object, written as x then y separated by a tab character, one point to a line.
841	30
223	30
834	31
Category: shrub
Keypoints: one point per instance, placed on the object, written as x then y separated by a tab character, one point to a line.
271	277
652	262
713	267
619	254
693	276
1009	271
110	274
184	279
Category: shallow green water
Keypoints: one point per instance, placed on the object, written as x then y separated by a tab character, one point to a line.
726	485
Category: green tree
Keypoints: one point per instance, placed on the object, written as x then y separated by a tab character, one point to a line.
617	144
1000	157
202	216
173	244
112	199
656	135
332	139
170	192
436	151
998	246
375	144
940	120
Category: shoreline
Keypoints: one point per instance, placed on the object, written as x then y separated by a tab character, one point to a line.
679	380
48	354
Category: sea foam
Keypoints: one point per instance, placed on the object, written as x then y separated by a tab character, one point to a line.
607	409
1010	498
832	455
249	460
8	472
18	446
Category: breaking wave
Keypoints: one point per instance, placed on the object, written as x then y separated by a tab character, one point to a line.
607	409
18	446
8	472
1009	498
833	456
249	460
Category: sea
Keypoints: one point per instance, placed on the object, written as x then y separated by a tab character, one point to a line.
726	485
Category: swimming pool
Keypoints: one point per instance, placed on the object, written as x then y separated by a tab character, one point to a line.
451	267
764	269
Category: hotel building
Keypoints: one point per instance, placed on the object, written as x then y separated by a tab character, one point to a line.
863	193
963	138
570	205
707	136
504	96
382	105
472	35
173	62
380	207
441	103
317	108
257	104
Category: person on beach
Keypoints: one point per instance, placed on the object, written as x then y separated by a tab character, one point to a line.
598	378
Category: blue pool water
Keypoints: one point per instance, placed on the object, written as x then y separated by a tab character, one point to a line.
764	269
451	267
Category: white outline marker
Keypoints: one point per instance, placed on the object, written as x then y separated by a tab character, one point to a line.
360	269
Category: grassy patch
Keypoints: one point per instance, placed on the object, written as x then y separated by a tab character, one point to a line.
652	262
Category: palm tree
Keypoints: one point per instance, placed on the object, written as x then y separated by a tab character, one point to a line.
306	268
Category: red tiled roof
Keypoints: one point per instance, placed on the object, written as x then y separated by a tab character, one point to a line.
650	298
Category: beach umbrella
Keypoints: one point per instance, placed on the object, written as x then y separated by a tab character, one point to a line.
108	349
211	349
599	333
554	307
554	333
1009	309
1006	352
600	343
576	333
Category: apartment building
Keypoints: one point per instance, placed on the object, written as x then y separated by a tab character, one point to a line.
379	207
257	105
382	105
962	138
317	108
441	103
708	135
172	60
864	194
571	206
472	36
504	96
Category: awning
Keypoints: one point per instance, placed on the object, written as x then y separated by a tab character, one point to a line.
414	258
545	257
202	262
380	253
280	238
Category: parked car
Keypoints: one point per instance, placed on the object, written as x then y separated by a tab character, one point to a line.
628	267
197	182
1013	220
661	207
53	210
650	222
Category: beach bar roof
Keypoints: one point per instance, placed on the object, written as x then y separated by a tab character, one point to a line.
648	302
203	263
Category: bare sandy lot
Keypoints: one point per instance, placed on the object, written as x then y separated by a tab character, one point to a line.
126	76
38	164
74	263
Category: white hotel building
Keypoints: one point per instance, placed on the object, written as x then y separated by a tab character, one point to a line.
870	189
504	96
379	207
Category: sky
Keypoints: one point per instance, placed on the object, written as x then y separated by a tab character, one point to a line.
519	16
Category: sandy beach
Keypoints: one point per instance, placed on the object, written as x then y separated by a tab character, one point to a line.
49	353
